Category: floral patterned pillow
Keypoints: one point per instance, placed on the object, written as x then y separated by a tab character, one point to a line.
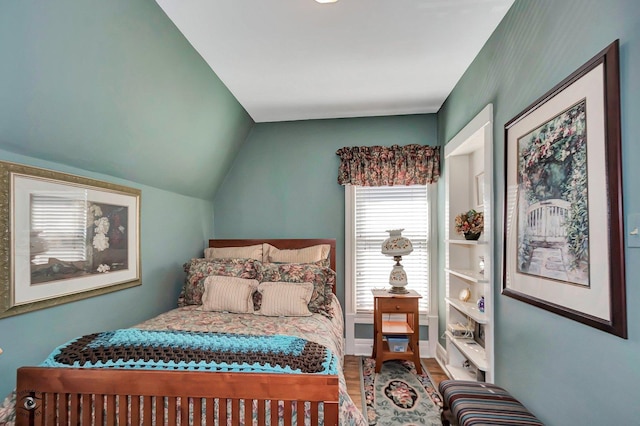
198	270
323	280
326	263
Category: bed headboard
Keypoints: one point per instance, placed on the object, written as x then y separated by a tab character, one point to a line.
284	243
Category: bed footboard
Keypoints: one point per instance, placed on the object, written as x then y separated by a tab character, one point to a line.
55	396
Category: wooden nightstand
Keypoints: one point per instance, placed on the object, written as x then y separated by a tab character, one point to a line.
388	303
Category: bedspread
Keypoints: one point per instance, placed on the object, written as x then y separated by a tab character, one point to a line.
132	348
316	328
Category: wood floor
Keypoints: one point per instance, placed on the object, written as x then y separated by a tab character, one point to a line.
352	374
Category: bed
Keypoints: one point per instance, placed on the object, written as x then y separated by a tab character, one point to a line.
257	395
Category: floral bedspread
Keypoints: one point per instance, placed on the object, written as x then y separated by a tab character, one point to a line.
316	328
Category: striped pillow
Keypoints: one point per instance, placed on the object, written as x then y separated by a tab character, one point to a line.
304	255
280	299
248	252
322	278
228	294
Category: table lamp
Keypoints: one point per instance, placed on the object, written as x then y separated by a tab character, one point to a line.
397	246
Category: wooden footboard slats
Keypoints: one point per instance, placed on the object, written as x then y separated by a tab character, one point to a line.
66	396
301	412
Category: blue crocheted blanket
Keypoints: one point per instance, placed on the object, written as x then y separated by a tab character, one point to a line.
197	351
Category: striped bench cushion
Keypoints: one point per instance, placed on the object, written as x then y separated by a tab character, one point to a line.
478	403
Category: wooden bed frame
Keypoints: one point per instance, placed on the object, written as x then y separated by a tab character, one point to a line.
54	396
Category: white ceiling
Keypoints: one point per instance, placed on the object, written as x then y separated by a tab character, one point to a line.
298	59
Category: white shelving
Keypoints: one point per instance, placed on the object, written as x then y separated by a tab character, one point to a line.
468	163
459	373
471	350
469	309
467	274
467	242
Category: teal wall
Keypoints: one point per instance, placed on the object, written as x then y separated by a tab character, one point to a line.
112	90
173	229
113	87
283	184
565	372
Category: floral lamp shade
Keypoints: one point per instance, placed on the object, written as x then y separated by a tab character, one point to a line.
397	246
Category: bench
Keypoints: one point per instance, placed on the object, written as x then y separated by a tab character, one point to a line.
468	403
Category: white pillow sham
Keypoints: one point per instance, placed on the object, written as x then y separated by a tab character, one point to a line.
280	299
228	294
304	255
248	252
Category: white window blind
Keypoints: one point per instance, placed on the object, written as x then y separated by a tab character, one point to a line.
378	209
61	222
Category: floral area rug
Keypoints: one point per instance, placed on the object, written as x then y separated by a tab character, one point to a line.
398	395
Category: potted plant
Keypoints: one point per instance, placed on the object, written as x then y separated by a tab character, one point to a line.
470	224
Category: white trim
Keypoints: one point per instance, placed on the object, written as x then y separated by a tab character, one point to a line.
349	252
432	195
475	136
484	118
442	357
349	272
433	336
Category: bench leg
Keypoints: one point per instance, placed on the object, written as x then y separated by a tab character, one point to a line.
447	418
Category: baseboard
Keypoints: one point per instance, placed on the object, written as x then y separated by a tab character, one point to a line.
364	347
442	358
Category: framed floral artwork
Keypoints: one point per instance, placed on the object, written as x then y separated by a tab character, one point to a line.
64	238
564	241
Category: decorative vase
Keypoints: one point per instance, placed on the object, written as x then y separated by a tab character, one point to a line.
471	236
480	304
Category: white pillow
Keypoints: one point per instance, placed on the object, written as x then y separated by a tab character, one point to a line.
228	294
248	252
304	255
281	299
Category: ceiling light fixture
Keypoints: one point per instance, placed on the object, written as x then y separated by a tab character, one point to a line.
326	1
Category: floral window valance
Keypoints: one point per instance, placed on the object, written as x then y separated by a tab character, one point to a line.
388	166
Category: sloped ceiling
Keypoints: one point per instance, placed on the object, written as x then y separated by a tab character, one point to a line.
298	59
113	87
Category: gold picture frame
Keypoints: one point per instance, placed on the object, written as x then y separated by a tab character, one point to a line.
64	238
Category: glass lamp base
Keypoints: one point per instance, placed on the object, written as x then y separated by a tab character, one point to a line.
398	290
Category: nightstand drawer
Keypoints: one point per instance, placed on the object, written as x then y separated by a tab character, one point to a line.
397	305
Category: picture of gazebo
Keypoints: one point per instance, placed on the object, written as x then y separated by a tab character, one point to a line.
553	220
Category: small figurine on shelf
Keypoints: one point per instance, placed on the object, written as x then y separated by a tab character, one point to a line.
480	304
481	265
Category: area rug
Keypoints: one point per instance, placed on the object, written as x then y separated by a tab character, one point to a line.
398	395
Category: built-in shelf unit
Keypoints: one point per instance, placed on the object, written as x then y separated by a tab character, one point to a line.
468	185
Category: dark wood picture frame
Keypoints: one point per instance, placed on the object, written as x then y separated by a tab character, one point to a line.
596	88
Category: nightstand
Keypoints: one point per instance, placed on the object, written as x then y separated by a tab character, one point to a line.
388	303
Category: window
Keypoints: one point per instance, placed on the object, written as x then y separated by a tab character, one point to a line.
371	211
59	227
